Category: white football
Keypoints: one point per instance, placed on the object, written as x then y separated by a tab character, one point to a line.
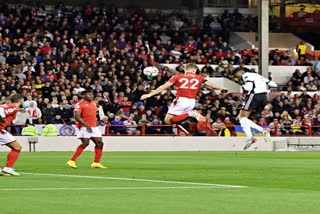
151	71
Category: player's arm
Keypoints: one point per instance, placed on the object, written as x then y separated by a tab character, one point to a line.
2	115
248	86
77	117
270	82
214	86
157	91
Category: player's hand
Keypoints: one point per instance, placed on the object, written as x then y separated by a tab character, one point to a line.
89	129
145	96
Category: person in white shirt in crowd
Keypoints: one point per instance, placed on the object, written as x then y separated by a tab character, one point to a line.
22	118
131	126
34	112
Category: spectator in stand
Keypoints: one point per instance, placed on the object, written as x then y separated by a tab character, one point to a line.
218	125
21	120
306	123
286	124
48	113
316	129
301	49
144	120
296	127
275	127
155	129
62	112
57	119
131	126
34	113
230	125
117	126
262	121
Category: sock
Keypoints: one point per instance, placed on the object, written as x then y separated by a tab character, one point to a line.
78	152
12	157
178	118
245	125
254	125
97	154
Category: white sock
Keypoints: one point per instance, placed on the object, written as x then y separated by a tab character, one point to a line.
7	168
245	125
254	125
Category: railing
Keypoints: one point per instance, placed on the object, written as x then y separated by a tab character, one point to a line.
156	130
178	130
300	131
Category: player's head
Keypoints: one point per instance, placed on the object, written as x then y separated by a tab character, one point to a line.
87	95
191	67
17	99
238	72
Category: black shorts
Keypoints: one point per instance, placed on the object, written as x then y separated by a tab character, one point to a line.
255	102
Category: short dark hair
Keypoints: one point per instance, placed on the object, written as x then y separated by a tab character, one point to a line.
16	98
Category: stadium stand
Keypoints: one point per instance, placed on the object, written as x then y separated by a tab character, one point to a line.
52	56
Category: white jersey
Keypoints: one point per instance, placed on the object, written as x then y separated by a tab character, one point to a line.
255	83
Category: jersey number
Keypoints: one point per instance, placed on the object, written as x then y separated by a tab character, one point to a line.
8	111
185	83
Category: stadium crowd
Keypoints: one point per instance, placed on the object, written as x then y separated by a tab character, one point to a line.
51	58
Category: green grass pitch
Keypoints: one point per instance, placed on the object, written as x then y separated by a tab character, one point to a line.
164	183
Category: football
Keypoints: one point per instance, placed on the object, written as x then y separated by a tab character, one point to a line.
151	71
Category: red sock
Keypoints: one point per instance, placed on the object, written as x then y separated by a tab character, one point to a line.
78	152
97	154
12	156
179	118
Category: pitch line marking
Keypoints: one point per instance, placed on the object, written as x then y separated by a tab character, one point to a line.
108	188
136	179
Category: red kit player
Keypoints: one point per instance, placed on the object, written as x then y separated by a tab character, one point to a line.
7	115
188	86
85	114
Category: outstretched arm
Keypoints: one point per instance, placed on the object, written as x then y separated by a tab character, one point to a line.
157	91
270	83
214	86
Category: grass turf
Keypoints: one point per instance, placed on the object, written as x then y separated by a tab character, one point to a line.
277	182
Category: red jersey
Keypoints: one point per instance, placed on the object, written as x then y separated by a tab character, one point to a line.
88	110
10	112
187	84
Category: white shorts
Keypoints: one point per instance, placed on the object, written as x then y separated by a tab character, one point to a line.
6	138
181	105
83	133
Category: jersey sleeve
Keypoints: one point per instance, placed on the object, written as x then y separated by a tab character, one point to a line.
270	83
248	84
202	79
173	79
78	107
2	113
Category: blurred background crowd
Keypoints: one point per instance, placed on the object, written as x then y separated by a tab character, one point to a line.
51	58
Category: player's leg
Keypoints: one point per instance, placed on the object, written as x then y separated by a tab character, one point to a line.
12	157
98	152
84	136
181	109
96	137
169	119
84	143
245	123
260	108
